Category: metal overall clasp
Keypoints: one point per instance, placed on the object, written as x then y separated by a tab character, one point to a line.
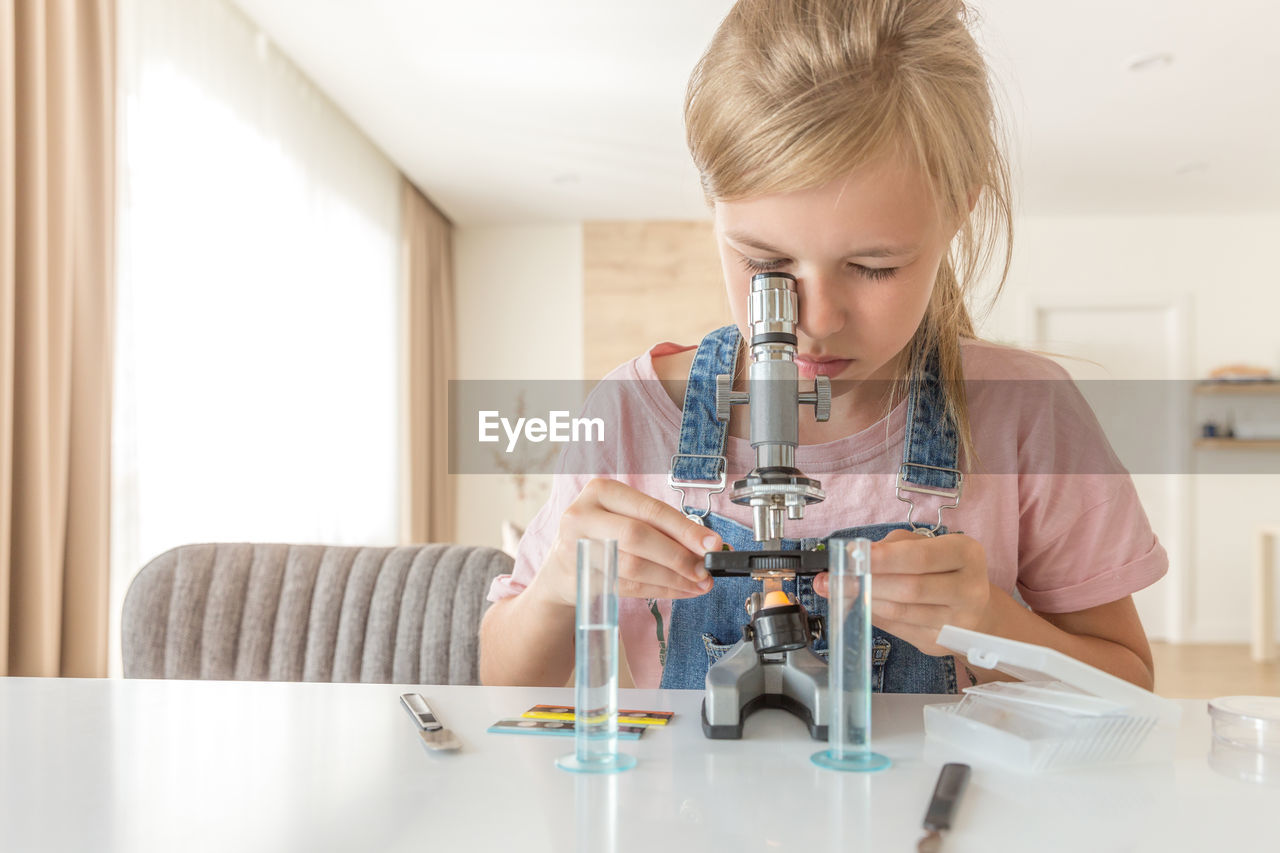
905	486
711	487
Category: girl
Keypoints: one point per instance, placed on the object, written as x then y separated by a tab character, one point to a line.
851	144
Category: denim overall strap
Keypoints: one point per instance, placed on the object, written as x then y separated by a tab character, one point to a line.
929	452
702	437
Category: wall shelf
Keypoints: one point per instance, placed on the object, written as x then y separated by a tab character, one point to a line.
1267	387
1238	392
1238	443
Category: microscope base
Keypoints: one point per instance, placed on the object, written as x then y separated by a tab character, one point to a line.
744	680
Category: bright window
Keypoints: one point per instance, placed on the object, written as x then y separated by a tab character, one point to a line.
257	353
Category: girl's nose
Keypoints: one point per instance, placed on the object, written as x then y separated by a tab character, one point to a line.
822	312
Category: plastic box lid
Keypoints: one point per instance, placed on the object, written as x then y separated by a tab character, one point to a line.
1033	663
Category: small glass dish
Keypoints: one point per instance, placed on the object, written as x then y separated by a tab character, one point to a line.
1249	722
1246	738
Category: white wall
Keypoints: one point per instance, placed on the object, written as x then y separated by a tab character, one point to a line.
1225	264
519	311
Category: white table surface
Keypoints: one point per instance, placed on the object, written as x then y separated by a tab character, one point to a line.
105	765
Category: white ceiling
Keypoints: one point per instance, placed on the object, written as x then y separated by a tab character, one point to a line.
527	111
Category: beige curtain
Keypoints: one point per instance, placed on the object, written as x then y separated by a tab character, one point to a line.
427	261
57	188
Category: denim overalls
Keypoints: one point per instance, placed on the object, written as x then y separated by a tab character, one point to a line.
703	629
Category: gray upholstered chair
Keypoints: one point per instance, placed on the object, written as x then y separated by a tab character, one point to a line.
406	615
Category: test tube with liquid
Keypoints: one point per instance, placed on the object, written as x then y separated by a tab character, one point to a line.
595	719
849	660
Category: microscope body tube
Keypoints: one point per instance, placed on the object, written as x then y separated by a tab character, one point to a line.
775	412
773	376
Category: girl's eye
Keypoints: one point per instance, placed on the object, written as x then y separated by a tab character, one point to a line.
874	273
871	273
762	266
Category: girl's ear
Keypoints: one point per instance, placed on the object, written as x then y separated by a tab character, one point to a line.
974	193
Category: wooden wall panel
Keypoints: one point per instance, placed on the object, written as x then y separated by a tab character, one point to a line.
646	282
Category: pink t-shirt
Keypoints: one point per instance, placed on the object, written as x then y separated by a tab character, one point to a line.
1060	541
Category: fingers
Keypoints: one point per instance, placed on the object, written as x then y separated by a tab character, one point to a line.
896	554
922	600
660	552
911	567
931	616
621	500
641	578
935	588
615	497
632	589
903	552
639	540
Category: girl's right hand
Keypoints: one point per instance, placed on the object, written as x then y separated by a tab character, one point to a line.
660	552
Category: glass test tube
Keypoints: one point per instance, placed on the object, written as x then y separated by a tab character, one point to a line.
595	722
849	661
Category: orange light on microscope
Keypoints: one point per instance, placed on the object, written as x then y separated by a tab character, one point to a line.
776	598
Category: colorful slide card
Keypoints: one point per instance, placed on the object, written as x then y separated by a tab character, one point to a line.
625	717
526	726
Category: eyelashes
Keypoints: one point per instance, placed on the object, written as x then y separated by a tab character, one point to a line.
760	266
871	273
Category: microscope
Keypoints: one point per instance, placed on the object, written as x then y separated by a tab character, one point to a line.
773	665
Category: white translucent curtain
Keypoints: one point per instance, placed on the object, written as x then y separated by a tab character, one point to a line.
257	360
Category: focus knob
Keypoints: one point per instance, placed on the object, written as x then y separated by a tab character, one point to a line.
822	405
724	396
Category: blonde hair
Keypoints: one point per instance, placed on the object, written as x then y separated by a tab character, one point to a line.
792	94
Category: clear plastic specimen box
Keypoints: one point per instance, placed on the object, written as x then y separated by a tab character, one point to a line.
1064	713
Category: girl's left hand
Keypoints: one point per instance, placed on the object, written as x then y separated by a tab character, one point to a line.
921	583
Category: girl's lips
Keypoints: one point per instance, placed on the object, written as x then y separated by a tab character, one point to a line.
809	369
